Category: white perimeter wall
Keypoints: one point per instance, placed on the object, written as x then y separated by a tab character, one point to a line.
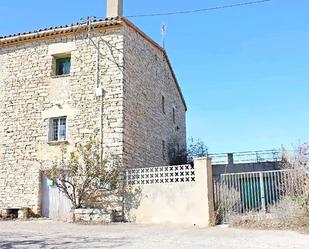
176	195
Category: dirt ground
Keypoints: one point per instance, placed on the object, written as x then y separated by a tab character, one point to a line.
51	234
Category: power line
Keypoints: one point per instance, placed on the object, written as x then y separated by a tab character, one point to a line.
199	10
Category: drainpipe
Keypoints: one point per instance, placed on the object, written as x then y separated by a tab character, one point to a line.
101	127
99	94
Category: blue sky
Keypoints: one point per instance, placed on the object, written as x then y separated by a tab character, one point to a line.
244	71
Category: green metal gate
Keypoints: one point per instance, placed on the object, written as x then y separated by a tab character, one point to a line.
241	193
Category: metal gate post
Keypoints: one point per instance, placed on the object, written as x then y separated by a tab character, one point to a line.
262	192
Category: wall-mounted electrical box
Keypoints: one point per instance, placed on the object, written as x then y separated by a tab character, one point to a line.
99	92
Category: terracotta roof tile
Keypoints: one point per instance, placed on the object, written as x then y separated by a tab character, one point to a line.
101	22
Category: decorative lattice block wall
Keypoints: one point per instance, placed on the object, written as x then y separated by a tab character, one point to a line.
161	175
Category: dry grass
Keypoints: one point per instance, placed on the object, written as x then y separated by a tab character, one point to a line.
289	214
228	199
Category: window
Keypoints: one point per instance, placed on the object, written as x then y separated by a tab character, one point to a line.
58	129
163	104
173	153
174	115
163	149
63	66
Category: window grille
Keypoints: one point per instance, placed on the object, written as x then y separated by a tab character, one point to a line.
161	175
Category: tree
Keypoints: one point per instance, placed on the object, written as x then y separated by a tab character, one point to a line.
84	179
195	148
298	160
301	158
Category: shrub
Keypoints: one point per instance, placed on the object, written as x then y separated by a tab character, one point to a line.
289	213
303	202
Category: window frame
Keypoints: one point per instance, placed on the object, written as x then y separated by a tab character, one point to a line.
55	66
60	136
63	61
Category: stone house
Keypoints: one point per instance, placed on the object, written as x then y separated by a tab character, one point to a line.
62	85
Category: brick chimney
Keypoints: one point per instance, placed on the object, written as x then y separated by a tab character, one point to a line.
114	8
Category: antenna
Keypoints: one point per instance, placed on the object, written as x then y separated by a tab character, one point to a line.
89	20
163	33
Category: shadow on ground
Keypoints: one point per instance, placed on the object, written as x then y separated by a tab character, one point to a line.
61	242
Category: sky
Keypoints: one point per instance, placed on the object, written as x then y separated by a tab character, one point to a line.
244	71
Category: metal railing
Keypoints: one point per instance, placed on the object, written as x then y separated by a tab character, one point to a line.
240	193
247	157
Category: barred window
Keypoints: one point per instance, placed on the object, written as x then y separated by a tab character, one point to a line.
58	129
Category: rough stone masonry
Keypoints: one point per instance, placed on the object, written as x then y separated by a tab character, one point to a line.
141	113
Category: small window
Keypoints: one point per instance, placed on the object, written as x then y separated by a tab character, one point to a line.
163	104
173	153
63	66
174	115
163	149
58	129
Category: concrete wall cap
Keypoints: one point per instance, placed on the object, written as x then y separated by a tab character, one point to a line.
201	158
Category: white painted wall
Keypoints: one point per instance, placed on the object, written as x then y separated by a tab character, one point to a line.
187	203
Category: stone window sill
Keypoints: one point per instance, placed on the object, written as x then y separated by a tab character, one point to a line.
60	76
55	143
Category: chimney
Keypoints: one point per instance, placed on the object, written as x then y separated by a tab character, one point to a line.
114	8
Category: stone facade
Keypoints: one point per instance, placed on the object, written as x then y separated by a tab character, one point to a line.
148	77
133	72
93	215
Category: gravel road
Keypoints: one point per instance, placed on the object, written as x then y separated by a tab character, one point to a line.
51	234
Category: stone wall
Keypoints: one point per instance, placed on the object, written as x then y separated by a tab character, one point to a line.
30	95
147	77
134	75
93	215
